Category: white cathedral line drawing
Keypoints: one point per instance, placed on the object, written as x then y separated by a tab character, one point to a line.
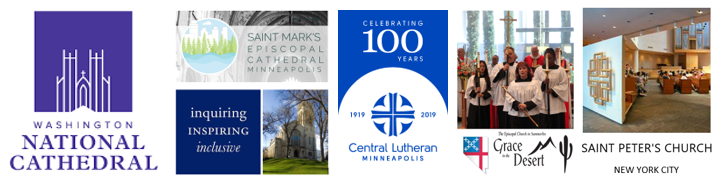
79	89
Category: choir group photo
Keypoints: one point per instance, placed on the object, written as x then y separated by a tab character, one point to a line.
514	70
647	70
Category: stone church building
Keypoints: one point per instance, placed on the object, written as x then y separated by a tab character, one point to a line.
303	138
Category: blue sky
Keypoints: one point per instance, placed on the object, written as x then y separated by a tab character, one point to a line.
213	23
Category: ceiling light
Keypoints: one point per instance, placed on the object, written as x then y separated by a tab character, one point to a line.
594	34
604	15
675	24
699	11
614	26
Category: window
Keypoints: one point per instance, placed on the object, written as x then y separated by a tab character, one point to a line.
295	140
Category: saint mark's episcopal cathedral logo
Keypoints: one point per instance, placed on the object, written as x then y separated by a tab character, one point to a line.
388	109
83	61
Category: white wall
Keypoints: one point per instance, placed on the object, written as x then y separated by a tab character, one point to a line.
650	60
612	48
659	42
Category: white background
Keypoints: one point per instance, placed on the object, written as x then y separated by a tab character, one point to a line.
154	88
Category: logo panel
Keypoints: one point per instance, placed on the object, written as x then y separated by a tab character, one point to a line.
83	61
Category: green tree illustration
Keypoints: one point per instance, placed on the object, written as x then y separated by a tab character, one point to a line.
221	44
204	44
183	45
214	47
192	47
234	45
207	46
225	45
198	46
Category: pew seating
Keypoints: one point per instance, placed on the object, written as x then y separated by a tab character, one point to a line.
667	85
702	84
684	86
630	92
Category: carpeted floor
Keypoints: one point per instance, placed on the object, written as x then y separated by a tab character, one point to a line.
658	112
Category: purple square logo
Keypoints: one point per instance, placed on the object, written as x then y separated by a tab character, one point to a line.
83	61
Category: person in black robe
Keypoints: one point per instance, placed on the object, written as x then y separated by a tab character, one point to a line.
478	95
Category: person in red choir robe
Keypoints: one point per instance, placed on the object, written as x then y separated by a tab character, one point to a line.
535	59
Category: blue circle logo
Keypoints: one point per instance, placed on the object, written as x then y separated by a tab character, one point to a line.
388	111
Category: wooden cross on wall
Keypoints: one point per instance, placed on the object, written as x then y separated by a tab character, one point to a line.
507	21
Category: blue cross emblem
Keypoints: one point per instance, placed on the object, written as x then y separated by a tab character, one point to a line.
392	114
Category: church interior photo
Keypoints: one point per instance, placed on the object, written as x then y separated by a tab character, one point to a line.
486	35
647	70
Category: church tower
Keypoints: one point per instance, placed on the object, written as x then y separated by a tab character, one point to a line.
305	114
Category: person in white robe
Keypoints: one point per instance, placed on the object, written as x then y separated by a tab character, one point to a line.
494	62
501	75
555	89
524	95
478	90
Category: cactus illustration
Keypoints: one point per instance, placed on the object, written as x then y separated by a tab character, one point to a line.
566	151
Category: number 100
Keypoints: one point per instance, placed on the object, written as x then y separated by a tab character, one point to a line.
396	41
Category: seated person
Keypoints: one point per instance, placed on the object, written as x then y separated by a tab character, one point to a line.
665	75
644	74
698	75
640	84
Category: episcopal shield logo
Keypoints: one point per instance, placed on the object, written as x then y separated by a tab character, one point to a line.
477	150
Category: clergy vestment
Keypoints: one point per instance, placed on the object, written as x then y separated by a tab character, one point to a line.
479	109
500	78
524	91
534	62
559	84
